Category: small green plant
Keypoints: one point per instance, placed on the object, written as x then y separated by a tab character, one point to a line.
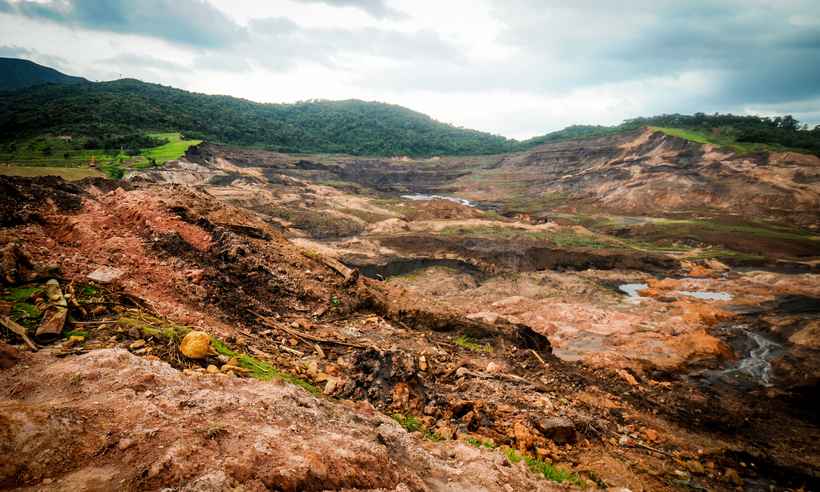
465	341
335	301
409	422
76	333
262	370
18	294
480	444
548	470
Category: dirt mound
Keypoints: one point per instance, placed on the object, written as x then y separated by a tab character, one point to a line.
211	434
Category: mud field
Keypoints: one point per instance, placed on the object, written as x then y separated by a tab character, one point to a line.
358	339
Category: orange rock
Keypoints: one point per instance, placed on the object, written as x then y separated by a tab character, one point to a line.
195	345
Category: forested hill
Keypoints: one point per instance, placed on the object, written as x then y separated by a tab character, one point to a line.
18	74
107	111
127	106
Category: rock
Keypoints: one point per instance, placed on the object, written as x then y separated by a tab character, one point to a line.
629	378
137	345
105	275
55	314
524	437
8	355
493	368
212	369
195	345
330	386
559	430
731	476
125	443
73	340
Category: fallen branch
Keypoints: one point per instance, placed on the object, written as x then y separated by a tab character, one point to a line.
538	357
19	330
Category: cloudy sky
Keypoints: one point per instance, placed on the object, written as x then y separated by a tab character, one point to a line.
513	67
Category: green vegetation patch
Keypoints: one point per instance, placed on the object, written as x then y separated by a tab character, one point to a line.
17	294
470	344
262	370
541	467
411	423
151	326
175	148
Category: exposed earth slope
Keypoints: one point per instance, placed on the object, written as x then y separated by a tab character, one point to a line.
612	331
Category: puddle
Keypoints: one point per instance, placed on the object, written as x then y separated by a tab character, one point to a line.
422	196
631	290
709	296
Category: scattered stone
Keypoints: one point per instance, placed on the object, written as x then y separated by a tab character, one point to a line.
629	378
105	275
137	345
8	356
493	368
125	443
559	430
330	386
55	314
212	369
195	345
731	476
650	434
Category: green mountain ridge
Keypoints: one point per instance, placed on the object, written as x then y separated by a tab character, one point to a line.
128	107
18	74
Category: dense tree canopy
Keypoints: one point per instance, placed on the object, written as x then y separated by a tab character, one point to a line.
127	106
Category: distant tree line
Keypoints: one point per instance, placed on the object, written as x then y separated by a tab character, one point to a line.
779	130
129	143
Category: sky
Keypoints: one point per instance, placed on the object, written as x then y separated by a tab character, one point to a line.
517	68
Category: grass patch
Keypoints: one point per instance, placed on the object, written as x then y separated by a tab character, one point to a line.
718	139
468	343
174	149
411	423
262	370
541	467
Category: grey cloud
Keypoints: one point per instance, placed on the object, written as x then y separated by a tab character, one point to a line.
191	22
376	8
34	55
278	43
